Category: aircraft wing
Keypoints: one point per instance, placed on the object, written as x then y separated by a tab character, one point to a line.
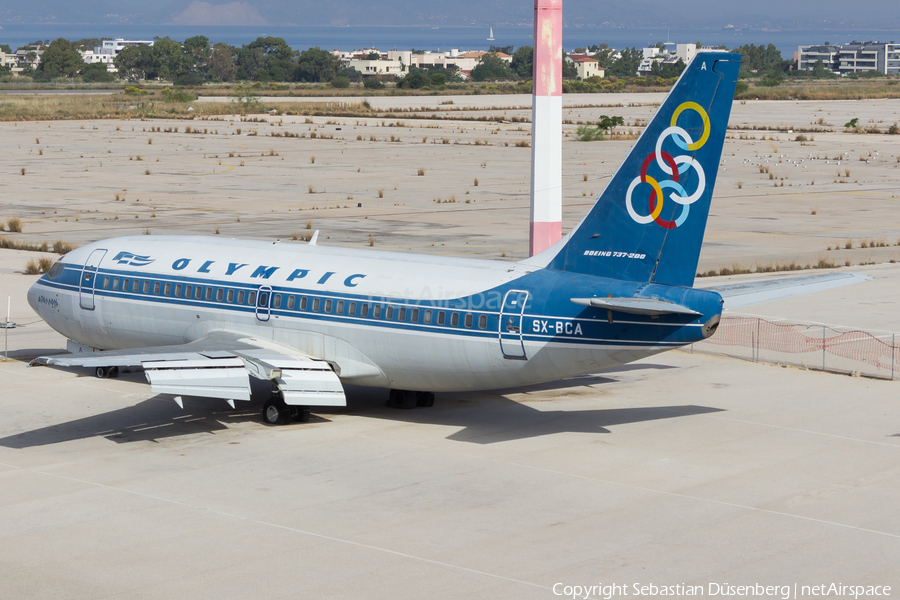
219	366
739	295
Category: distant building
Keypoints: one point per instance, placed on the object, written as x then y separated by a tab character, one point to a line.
107	51
586	66
683	52
852	58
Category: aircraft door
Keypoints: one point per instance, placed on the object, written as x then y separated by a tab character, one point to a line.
263	303
89	279
511	344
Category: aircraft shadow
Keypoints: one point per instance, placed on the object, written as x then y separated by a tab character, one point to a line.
485	417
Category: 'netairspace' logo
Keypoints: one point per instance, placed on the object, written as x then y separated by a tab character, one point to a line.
673	167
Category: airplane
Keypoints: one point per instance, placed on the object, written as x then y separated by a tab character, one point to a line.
201	315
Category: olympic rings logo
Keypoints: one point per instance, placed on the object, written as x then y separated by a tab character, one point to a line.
674	168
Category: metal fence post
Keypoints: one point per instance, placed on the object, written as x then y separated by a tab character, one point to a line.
893	350
823	347
758	321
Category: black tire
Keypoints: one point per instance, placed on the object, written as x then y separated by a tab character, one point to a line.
275	412
112	372
300	414
424	399
401	399
101	372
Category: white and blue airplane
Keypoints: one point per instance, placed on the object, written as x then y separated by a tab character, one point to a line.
201	315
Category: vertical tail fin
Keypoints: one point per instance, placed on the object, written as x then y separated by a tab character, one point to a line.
648	223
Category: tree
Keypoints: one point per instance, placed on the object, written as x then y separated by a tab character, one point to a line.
316	64
627	65
134	62
340	82
586	133
267	58
414	79
500	49
667	70
196	55
819	71
5	48
492	67
97	73
61	58
523	62
351	74
168	59
222	64
438	79
373	56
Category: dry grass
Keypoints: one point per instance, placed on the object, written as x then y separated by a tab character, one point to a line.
421	172
371	240
14	225
38	266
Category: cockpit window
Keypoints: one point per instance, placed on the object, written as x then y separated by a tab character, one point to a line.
56	270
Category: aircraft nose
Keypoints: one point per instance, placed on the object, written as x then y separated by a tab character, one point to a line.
33	298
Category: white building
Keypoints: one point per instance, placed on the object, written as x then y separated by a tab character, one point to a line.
107	51
852	58
376	68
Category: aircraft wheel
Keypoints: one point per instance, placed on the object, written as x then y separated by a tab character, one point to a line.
101	372
300	414
401	399
112	372
275	412
424	399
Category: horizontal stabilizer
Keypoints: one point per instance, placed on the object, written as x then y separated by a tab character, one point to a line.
637	306
739	295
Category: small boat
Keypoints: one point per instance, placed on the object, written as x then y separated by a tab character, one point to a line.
491	35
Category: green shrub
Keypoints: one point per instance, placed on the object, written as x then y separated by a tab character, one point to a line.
340	82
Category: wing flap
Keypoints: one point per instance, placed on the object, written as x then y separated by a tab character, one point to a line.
212	378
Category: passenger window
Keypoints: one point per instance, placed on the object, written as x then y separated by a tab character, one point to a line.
263	299
328	306
454	319
167	290
106	283
468	320
251	298
440	318
351	310
115	283
136	286
276	301
402	314
188	291
340	307
482	322
302	302
242	295
198	292
292	300
156	287
376	311
220	293
229	297
315	306
364	310
414	317
125	284
426	318
146	287
389	313
209	293
178	290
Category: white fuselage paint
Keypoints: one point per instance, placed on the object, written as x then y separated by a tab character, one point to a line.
441	358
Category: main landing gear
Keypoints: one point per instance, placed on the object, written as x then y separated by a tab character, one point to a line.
276	412
104	372
407	399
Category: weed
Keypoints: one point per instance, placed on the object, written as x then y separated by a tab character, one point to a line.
309	224
740	185
848	245
146	171
846	172
14	225
421	172
371	240
813	211
61	247
584	177
217	231
476	182
523	144
381	193
150	141
312	160
310	190
22	170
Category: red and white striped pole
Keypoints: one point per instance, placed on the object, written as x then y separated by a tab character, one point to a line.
546	127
